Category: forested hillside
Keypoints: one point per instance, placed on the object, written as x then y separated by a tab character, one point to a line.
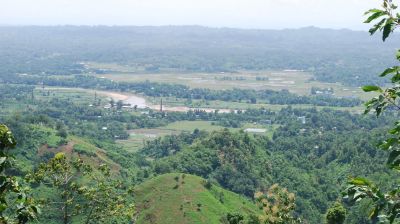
312	159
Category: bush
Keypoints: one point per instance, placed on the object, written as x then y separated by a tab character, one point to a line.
84	150
207	184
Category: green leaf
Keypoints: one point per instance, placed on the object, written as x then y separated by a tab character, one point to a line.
380	108
36	209
372	89
6	138
3	207
372	11
375	15
374	213
390	71
388	143
2	160
396	77
388	28
398	55
377	26
360	181
393	157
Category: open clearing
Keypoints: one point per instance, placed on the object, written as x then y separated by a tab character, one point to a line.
139	136
76	94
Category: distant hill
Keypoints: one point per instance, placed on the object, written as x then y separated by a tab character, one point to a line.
351	57
182	198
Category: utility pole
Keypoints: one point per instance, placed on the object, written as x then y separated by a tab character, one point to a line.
161	105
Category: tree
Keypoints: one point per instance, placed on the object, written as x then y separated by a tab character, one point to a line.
120	104
278	205
235	218
336	214
84	191
62	133
386	205
15	204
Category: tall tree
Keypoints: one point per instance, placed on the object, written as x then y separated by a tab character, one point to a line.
120	104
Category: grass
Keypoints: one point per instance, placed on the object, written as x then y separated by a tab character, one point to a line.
138	137
91	152
270	129
181	198
77	95
190	126
84	149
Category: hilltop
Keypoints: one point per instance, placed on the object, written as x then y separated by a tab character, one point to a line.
182	198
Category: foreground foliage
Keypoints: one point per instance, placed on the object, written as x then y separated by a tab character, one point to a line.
386	203
16	206
81	191
278	205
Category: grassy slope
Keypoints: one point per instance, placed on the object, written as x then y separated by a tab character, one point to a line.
159	200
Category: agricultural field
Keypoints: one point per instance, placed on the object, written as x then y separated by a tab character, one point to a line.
138	137
297	82
80	96
223	106
87	96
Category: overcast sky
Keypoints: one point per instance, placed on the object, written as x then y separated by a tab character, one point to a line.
216	13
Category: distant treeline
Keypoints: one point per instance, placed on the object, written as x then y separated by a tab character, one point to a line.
153	89
344	56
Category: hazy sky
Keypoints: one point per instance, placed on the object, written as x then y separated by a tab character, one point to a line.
215	13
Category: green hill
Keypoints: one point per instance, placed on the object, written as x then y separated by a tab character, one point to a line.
182	198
